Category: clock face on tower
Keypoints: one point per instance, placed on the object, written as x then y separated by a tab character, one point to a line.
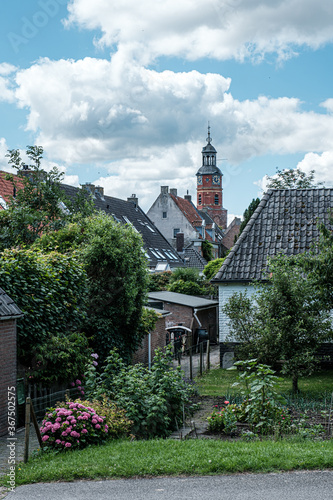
216	180
199	180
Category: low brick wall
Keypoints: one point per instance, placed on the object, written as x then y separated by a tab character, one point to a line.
7	368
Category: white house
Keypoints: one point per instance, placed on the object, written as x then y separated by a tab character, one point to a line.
286	221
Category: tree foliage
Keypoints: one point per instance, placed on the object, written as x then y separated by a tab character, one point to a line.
248	214
213	267
51	290
117	270
159	281
39	205
285	322
207	250
187	280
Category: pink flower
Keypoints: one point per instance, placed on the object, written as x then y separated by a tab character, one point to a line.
97	426
84	431
226	402
45	438
78	382
63	443
94	421
57	441
72	384
82	393
68	445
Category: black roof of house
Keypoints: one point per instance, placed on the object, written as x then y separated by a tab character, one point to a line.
157	248
286	221
8	308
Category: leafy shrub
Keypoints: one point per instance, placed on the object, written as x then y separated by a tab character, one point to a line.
159	281
59	359
223	420
260	408
186	287
212	268
154	400
50	289
73	425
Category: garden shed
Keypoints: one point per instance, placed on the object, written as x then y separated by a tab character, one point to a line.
151	342
191	311
9	313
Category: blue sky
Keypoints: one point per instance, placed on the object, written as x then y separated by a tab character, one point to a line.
120	94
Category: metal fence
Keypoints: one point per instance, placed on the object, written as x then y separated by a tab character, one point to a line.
194	360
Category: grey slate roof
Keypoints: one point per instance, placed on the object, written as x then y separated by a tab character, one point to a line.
157	248
286	221
182	299
194	258
8	308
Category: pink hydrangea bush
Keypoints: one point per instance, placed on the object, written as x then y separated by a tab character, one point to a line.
73	425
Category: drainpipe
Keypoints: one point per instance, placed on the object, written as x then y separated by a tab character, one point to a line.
196	317
149	351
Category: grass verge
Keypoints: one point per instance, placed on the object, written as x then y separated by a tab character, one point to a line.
123	459
219	382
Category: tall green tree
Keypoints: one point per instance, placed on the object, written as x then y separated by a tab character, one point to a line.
116	265
285	322
293	178
248	214
39	205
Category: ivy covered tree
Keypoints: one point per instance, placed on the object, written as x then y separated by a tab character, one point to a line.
285	322
51	290
118	277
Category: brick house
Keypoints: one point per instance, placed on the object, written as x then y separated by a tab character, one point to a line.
192	312
286	221
9	313
207	220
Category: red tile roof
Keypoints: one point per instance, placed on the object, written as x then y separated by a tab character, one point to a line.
6	187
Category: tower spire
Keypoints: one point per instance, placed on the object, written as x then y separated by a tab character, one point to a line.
209	138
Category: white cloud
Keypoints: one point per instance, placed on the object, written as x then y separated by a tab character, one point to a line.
6	84
221	29
322	164
145	126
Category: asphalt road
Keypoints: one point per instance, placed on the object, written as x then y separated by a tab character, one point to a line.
316	485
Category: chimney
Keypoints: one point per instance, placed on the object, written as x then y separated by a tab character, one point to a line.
188	197
180	242
90	188
213	231
173	191
99	191
203	225
133	199
164	189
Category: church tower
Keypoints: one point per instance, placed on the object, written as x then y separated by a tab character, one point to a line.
209	186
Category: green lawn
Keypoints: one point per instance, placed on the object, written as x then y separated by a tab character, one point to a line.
191	457
218	382
169	457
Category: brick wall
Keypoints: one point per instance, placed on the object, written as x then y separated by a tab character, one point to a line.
7	368
157	340
232	230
